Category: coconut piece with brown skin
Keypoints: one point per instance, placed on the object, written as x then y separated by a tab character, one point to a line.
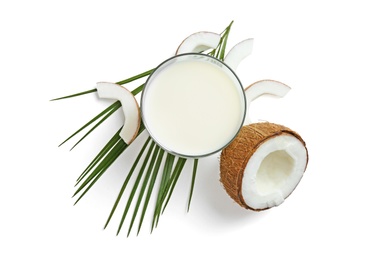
263	165
198	42
130	107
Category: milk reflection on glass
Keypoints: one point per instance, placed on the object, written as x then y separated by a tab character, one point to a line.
193	105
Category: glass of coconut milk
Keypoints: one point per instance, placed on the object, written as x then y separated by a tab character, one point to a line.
193	105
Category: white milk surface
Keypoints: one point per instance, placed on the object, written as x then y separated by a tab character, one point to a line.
193	108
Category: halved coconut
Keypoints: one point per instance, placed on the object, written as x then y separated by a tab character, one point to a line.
198	42
263	165
130	107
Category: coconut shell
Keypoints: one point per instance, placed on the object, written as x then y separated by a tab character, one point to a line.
236	155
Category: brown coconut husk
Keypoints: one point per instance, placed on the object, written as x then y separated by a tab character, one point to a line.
236	155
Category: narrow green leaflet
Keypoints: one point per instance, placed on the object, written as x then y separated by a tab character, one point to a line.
194	170
167	170
76	95
139	76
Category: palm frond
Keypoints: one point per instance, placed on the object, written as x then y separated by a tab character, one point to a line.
151	161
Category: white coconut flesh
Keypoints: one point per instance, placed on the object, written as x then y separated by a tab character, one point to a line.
273	171
263	165
132	117
264	87
238	53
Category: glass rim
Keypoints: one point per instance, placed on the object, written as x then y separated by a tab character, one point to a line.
156	71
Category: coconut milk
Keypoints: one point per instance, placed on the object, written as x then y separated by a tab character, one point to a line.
193	105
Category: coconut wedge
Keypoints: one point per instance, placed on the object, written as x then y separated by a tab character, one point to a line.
263	87
238	53
198	42
132	117
263	165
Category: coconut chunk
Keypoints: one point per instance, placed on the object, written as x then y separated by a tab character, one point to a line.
238	53
198	42
263	165
132	117
262	87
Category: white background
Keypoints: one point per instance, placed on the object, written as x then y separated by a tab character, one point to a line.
335	56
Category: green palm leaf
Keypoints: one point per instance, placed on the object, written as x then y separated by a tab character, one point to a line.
151	158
